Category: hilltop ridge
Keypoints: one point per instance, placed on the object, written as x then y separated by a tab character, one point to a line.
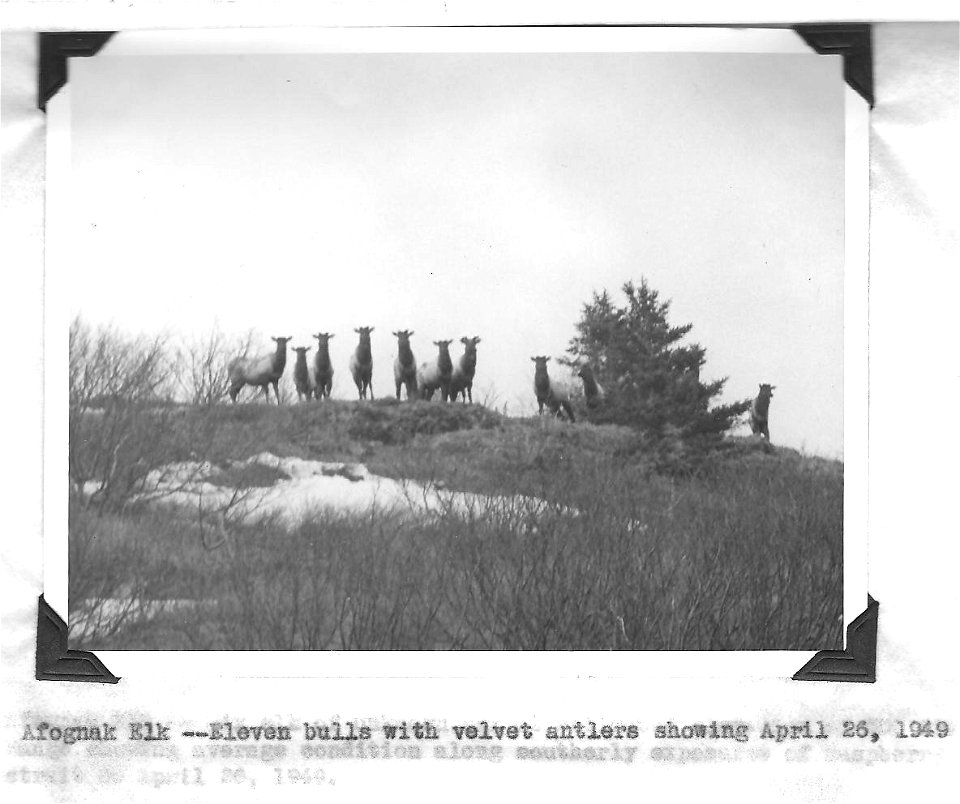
467	447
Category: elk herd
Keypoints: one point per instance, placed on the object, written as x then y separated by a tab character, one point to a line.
453	379
421	381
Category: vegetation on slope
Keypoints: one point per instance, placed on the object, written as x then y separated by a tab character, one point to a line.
745	554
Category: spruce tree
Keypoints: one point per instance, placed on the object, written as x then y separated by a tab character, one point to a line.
652	382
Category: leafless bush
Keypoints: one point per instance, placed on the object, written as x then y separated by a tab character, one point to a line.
201	366
108	368
120	409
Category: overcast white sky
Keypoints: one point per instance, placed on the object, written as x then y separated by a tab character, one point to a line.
462	194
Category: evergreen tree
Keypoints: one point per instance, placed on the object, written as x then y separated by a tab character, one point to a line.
651	381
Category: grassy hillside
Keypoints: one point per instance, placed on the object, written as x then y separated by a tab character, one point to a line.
743	554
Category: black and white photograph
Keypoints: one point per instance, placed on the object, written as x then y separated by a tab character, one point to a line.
454	350
478	401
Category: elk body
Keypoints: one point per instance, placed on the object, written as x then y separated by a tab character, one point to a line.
437	373
361	363
322	367
405	365
301	374
593	392
760	411
464	371
262	371
549	393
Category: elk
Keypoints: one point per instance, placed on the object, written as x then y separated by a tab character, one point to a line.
437	373
760	411
361	363
549	393
405	365
301	374
593	392
262	371
322	367
462	380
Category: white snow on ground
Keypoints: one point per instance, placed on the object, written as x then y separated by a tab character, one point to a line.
312	486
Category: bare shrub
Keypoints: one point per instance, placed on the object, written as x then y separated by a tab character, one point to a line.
120	410
107	367
202	366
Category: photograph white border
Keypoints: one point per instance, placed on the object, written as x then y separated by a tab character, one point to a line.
464	664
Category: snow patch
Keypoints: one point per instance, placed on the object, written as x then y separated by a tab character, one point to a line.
341	488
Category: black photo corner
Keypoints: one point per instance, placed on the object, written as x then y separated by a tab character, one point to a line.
55	661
